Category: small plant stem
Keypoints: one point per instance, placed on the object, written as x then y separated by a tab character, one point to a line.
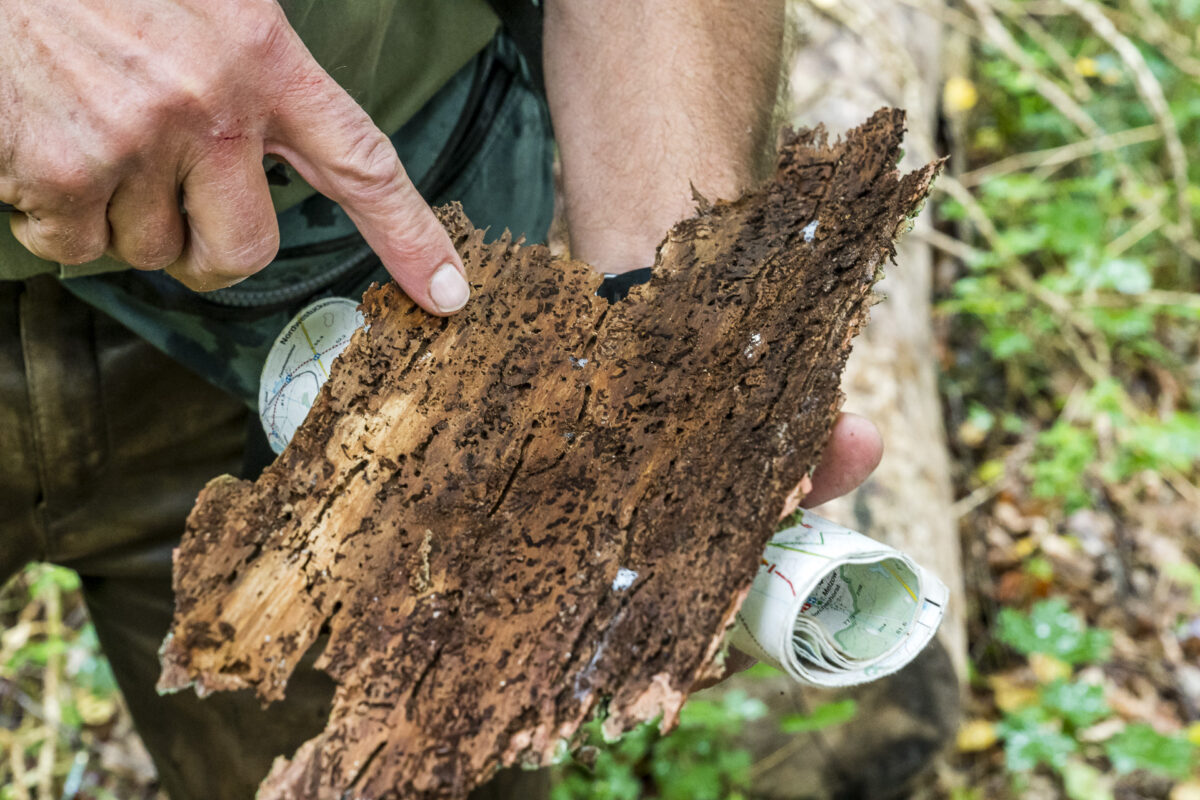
51	682
1152	92
1065	154
1050	45
16	763
1138	231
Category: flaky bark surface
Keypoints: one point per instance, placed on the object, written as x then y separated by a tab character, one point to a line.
460	502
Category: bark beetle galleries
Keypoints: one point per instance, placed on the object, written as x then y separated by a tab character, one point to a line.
464	508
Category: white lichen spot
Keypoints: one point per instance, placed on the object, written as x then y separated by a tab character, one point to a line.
578	363
810	230
624	579
752	348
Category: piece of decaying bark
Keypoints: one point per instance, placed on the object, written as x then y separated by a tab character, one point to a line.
512	516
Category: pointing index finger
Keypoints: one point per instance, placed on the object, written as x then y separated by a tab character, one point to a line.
335	146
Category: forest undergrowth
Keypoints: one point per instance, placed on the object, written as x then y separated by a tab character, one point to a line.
1069	323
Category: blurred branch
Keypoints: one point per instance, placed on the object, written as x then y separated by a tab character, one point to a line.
947	15
995	32
1151	92
51	688
1085	342
1049	44
1061	155
1153	297
1138	231
16	762
1151	27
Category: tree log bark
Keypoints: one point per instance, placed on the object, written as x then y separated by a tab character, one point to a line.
544	505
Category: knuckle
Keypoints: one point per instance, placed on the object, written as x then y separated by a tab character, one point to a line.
67	183
69	251
66	240
423	247
246	257
151	254
371	165
264	31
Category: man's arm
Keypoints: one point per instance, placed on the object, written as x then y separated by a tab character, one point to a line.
648	99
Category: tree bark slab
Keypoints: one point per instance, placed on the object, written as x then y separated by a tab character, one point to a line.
545	505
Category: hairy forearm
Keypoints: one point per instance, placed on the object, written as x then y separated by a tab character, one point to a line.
650	99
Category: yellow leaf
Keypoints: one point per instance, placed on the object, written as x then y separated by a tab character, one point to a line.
1026	547
1188	790
1087	67
1011	695
1193	733
94	710
1047	669
990	471
959	94
976	735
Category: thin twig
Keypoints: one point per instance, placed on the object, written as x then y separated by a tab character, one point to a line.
1061	155
995	31
1049	44
965	505
51	682
16	763
1086	343
792	746
1151	297
1138	231
998	35
948	15
1176	45
1152	92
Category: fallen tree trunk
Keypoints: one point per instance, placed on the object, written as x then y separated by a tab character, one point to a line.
544	505
856	57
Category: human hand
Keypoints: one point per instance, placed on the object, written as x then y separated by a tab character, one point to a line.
139	129
851	455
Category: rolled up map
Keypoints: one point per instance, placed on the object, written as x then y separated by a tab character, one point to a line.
831	607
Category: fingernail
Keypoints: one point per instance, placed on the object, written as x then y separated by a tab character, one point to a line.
449	289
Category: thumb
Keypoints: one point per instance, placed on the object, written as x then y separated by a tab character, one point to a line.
328	138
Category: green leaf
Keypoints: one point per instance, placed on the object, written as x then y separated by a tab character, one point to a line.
1124	275
823	716
1141	747
1064	454
1006	343
1187	575
1031	738
1078	703
762	669
980	417
44	578
1051	628
1082	781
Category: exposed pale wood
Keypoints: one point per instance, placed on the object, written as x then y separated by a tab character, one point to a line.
456	507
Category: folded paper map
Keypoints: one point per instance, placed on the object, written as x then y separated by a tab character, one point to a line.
831	607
